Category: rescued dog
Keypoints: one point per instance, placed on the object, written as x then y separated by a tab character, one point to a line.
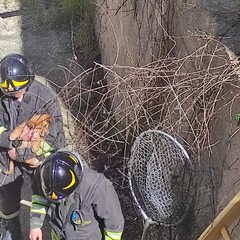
40	123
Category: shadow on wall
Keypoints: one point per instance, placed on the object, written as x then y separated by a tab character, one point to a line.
46	39
227	20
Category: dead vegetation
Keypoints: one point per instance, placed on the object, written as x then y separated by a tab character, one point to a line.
180	96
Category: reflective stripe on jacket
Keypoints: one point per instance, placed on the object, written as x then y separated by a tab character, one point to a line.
109	235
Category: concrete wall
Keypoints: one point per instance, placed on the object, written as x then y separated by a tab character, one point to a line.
135	33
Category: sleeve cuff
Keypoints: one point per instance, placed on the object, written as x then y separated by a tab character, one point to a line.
36	224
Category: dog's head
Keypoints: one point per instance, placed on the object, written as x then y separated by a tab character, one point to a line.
40	123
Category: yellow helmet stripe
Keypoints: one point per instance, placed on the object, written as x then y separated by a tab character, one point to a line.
19	84
73	158
4	84
72	182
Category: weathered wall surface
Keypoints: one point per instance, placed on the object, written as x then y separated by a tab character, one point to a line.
135	33
129	32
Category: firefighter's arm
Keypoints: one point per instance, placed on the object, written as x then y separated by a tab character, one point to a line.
39	205
108	208
5	142
38	211
5	132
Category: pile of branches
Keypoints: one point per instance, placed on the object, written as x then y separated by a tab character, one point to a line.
181	96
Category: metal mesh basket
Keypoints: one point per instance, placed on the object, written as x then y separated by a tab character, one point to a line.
160	177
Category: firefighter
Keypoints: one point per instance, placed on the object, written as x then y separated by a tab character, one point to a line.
21	97
74	194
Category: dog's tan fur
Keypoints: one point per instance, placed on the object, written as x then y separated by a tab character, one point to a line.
38	122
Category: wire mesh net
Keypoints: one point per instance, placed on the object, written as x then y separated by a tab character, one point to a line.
161	177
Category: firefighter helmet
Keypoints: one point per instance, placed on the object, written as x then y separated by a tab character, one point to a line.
15	73
60	174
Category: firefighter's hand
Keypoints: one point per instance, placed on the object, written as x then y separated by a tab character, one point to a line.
29	134
12	154
35	234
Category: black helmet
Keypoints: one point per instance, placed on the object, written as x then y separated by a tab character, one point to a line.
60	175
16	73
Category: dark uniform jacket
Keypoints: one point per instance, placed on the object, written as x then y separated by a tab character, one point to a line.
74	217
37	100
